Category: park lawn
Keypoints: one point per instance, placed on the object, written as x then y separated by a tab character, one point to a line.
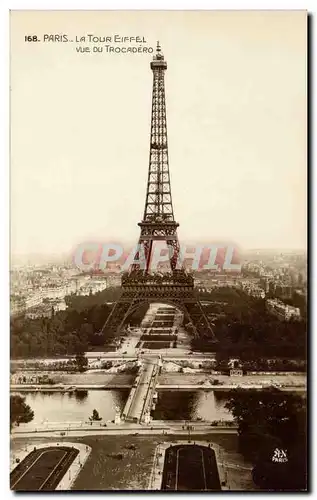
156	345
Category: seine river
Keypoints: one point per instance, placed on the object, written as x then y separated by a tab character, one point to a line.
189	405
74	407
78	407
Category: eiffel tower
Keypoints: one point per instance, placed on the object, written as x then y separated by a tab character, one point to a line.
140	285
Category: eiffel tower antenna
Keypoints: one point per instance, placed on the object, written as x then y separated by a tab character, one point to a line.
139	285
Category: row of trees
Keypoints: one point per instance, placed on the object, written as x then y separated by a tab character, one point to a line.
67	332
243	325
249	363
82	302
73	331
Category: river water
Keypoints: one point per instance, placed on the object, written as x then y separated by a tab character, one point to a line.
78	407
191	405
74	407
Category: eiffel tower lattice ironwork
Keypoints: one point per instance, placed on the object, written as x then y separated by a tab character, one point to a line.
140	285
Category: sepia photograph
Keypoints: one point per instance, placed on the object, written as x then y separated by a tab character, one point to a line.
158	250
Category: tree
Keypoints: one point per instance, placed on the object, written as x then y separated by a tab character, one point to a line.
95	416
20	412
81	361
272	423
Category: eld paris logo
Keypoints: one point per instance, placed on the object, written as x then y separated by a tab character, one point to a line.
279	456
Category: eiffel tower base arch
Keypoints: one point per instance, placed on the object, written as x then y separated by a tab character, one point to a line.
183	298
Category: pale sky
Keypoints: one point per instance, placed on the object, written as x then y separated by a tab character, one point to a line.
236	121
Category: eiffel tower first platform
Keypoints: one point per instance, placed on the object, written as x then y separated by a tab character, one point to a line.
140	285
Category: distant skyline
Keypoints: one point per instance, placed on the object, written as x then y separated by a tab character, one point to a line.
236	122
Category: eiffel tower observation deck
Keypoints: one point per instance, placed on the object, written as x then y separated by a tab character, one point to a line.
141	284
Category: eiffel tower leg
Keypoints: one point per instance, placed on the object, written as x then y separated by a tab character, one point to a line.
116	317
200	321
180	306
119	314
132	307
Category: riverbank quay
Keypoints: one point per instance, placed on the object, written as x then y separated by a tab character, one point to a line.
65	388
133	430
225	388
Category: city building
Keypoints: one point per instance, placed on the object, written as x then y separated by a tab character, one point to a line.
281	310
252	288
